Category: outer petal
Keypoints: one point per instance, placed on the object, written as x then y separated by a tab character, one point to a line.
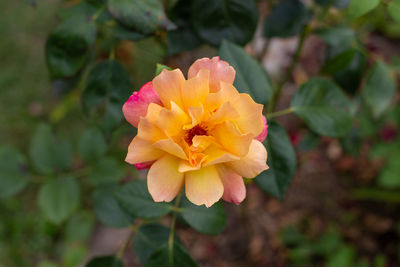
168	86
148	131
220	71
261	137
137	104
140	151
250	115
253	163
234	188
164	180
203	186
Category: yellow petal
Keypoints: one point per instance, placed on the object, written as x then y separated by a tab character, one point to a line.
184	166
142	151
168	86
164	180
234	188
216	154
253	163
197	115
250	115
153	112
201	142
203	186
169	146
228	135
149	131
195	90
172	121
227	93
224	113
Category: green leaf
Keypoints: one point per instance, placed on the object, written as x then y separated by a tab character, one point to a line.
233	20
337	36
13	172
79	227
394	10
148	239
68	45
122	33
59	198
210	221
160	67
379	89
286	19
281	162
105	170
49	153
105	261
92	144
390	174
338	62
136	200
108	87
250	76
358	8
181	258
108	210
345	257
323	106
74	256
145	16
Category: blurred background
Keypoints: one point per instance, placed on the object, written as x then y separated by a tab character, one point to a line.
341	209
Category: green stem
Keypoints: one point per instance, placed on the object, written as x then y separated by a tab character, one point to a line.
280	113
172	231
295	59
134	229
98	13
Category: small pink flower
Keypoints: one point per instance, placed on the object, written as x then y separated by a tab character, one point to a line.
138	102
261	137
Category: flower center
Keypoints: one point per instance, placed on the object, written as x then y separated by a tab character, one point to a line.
196	130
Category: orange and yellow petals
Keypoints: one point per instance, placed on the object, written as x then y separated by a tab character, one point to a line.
250	115
141	151
220	71
168	86
227	93
231	139
164	180
261	137
149	131
137	104
201	142
216	154
172	148
203	186
172	121
234	188
224	113
253	163
197	116
196	89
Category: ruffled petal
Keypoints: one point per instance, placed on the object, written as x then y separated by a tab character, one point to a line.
216	155
220	71
140	151
253	163
234	188
169	146
172	121
164	180
168	86
261	137
203	186
196	89
224	113
149	131
250	115
137	104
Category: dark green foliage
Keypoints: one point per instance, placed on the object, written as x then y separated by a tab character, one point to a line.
105	261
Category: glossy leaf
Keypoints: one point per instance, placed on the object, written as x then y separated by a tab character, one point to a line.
13	172
68	46
233	20
92	144
323	106
250	76
145	16
105	170
286	19
379	89
394	10
358	8
209	221
181	258
338	62
49	153
108	210
281	162
136	200
58	198
108	87
105	261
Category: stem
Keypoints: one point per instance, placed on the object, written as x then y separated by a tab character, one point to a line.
280	113
172	231
134	229
98	13
296	56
